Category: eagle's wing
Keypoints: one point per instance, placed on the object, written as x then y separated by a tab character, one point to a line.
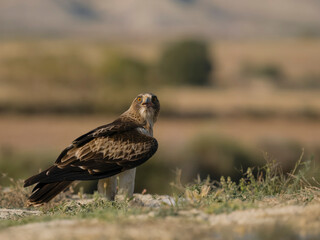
118	126
101	153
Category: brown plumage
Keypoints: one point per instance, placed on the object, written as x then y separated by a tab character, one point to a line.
103	152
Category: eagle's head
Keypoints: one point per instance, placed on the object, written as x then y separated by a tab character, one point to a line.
146	108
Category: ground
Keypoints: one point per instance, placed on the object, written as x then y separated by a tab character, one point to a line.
269	219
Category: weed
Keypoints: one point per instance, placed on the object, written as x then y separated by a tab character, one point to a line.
14	196
269	181
256	187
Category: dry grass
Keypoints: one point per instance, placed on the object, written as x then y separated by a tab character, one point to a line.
282	204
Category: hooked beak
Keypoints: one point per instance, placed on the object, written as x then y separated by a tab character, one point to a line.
147	102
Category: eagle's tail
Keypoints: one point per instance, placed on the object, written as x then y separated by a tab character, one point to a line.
36	178
44	192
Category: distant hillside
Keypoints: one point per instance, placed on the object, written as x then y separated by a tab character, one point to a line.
152	18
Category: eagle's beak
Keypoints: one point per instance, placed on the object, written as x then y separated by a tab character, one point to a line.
147	102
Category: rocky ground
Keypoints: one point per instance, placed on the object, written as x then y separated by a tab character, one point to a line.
271	221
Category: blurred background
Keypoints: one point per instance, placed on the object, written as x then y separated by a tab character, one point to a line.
236	80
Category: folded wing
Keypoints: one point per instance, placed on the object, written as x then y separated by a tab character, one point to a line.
100	157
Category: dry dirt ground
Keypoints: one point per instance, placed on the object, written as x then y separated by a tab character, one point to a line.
280	221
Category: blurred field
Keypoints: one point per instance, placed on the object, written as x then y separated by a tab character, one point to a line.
69	76
298	59
29	143
264	97
239	126
27	133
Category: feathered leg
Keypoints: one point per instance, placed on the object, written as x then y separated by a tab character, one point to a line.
126	182
107	187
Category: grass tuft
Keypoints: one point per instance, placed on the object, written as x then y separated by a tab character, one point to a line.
264	186
269	181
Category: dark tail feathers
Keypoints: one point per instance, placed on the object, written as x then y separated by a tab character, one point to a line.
44	192
35	179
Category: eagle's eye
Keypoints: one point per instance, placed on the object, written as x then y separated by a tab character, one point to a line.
139	99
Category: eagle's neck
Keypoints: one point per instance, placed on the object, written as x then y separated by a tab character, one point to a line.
148	117
149	128
143	117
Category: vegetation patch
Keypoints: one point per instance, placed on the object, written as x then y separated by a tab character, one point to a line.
269	186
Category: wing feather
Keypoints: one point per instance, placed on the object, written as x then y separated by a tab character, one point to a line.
118	126
103	156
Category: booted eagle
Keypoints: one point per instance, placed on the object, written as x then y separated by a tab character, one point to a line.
108	151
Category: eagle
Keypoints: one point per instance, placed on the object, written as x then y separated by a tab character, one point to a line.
107	153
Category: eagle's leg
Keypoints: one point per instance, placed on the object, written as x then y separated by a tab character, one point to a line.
126	182
107	187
